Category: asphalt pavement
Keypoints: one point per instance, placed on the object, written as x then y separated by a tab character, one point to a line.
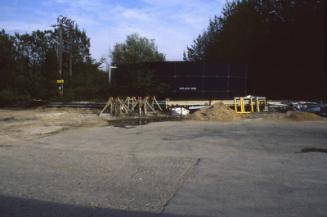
173	169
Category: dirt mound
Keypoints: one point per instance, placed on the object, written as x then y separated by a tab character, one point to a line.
290	116
216	112
302	116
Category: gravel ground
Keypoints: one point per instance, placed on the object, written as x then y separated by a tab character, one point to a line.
244	168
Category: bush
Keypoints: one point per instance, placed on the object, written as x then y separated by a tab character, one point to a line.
11	98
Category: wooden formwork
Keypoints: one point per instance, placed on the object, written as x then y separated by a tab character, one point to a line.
129	105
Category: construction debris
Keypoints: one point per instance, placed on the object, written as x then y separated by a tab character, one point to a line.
216	112
301	106
308	106
179	111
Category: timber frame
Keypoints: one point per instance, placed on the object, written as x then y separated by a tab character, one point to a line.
130	105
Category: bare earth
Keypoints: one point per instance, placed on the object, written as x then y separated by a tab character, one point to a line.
26	124
69	162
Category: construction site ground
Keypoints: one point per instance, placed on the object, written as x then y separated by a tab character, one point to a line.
69	162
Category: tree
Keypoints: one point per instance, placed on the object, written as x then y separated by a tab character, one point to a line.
7	59
87	81
283	42
133	75
136	49
29	65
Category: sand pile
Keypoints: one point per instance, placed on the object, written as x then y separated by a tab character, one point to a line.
289	116
302	116
216	112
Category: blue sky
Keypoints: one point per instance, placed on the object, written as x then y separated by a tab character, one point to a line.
173	24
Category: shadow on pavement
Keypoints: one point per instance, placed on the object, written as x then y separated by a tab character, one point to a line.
20	207
306	150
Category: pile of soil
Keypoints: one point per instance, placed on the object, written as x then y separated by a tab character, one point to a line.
216	112
289	116
302	116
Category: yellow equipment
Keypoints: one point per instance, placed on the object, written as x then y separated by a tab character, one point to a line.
250	101
61	81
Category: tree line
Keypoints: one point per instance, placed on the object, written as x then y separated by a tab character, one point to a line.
283	42
29	65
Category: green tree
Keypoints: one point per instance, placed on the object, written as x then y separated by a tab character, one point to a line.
283	42
7	59
136	49
87	80
133	75
29	65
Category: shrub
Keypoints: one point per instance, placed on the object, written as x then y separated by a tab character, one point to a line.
11	98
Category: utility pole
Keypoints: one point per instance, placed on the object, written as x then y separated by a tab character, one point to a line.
60	47
70	58
70	53
64	26
61	88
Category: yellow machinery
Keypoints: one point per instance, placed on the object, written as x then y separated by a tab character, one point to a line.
249	101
